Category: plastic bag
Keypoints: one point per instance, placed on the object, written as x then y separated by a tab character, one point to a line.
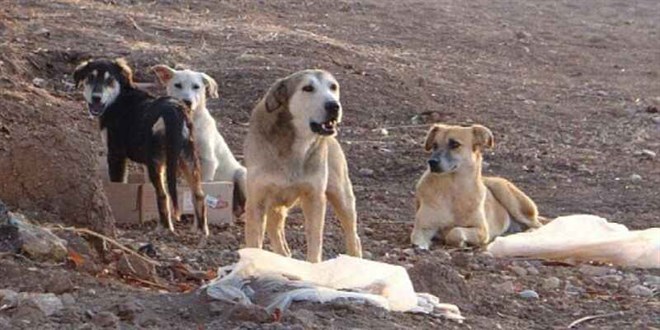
578	238
274	281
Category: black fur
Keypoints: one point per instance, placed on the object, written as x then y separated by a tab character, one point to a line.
128	122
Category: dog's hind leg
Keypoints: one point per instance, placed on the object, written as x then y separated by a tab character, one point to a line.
517	204
156	176
313	206
275	228
343	203
194	182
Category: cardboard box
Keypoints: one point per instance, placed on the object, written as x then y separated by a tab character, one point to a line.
218	199
135	201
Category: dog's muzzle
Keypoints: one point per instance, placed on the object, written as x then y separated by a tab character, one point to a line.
434	166
96	107
328	127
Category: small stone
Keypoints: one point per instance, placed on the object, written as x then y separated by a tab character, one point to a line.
523	35
4	323
129	310
68	299
594	270
131	265
519	271
39	243
651	280
59	285
506	287
602	93
368	231
106	320
551	283
573	290
648	154
528	294
42	32
409	252
640	290
635	177
47	303
384	132
38	82
656	120
8	298
366	172
367	255
531	270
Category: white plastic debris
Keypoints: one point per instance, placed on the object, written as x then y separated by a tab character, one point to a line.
274	281
578	238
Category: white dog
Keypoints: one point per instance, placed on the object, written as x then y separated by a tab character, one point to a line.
217	161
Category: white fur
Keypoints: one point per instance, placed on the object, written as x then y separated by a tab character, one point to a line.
217	161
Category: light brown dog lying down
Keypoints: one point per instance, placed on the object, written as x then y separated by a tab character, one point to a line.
292	156
454	200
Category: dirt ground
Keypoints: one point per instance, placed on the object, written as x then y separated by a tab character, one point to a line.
570	89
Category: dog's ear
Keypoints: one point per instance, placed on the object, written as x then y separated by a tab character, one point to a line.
277	96
211	85
483	137
163	72
125	70
430	137
80	73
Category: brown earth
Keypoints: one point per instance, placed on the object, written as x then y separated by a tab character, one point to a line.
569	88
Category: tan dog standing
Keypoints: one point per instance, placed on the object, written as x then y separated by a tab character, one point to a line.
456	201
292	156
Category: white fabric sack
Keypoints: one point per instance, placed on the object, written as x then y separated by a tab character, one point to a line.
275	281
578	238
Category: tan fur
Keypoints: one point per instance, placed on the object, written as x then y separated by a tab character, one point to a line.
461	205
287	165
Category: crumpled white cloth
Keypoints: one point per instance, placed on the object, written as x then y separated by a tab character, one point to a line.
274	281
582	237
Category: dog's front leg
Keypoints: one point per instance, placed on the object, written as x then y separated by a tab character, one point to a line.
313	206
464	236
255	223
117	168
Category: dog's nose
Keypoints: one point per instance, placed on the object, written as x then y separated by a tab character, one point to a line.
332	107
433	163
96	99
188	103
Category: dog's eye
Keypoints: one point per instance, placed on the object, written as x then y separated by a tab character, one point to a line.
453	144
195	86
177	85
333	87
308	88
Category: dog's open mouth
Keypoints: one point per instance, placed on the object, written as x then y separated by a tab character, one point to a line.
326	128
95	109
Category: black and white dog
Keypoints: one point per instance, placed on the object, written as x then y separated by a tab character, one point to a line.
157	132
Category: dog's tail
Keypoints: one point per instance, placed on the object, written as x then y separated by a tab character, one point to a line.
174	141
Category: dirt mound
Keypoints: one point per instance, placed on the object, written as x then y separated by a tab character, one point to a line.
48	153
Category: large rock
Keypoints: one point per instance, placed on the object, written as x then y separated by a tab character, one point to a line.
48	150
47	303
38	243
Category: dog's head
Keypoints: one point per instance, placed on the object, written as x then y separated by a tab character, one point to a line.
312	99
103	80
186	85
456	147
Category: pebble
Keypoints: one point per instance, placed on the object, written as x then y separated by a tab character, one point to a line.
506	287
366	172
68	299
519	270
106	320
640	290
38	82
528	294
551	283
59	285
384	132
594	270
635	177
531	270
648	154
8	298
367	255
409	252
47	303
574	290
656	119
652	280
